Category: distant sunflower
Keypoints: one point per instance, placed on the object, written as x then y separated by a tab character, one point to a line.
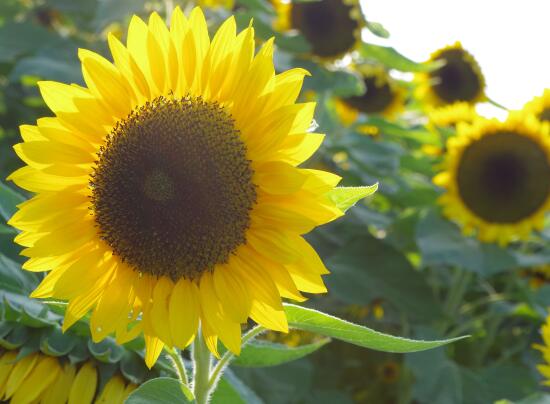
544	369
458	80
497	178
168	189
41	378
538	276
451	115
332	27
540	108
382	96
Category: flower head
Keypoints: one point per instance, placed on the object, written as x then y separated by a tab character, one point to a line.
497	178
167	189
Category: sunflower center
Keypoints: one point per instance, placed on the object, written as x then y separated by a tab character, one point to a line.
328	26
377	97
172	189
458	79
504	177
545	115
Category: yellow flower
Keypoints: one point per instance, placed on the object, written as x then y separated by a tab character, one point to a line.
227	4
382	96
42	378
497	178
540	108
168	191
544	369
332	27
451	115
537	276
459	79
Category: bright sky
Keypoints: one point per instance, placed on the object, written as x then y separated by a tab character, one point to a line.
509	38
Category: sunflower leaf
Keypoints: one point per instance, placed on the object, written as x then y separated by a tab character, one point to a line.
346	197
9	199
264	353
311	320
161	390
231	390
392	59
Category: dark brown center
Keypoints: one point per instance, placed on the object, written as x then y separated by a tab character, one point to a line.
172	189
504	177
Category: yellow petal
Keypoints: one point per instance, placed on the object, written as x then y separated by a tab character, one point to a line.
113	392
19	373
153	348
114	305
59	391
184	312
159	310
84	385
42	376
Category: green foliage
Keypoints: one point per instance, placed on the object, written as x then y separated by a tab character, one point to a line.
264	353
163	390
320	323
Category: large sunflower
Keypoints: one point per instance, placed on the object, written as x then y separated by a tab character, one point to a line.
382	96
459	79
497	178
168	191
332	27
540	108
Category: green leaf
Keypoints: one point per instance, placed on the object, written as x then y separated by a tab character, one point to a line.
346	197
392	59
324	324
133	368
367	268
231	390
264	353
13	278
442	243
21	38
162	390
9	199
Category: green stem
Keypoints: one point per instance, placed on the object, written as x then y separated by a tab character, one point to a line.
496	104
228	357
177	360
201	370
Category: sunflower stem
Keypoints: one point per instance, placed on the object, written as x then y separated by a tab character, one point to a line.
201	369
228	356
179	365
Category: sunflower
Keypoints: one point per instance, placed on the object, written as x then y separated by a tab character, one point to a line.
458	79
168	191
44	379
382	96
544	369
451	115
540	108
497	178
332	27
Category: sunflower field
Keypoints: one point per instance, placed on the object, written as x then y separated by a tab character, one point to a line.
248	201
